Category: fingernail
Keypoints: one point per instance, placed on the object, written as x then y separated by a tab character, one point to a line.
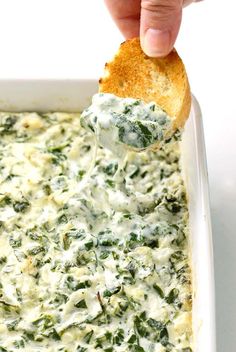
156	42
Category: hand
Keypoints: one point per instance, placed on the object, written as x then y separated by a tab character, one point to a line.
156	21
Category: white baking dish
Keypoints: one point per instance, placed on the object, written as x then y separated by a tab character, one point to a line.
66	95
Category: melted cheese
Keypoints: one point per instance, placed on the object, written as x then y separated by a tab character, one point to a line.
121	123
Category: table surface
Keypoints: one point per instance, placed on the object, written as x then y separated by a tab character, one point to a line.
73	39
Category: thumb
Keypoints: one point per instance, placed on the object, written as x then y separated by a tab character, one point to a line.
160	22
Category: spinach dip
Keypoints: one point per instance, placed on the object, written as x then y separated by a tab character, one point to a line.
103	267
126	122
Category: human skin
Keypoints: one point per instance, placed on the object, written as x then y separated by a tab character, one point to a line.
157	22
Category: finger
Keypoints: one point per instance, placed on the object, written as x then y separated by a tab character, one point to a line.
160	23
126	14
188	2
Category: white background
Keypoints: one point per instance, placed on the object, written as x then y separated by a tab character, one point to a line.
74	38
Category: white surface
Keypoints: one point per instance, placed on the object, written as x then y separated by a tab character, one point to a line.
49	95
73	38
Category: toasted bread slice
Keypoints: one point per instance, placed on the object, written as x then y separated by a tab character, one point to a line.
161	80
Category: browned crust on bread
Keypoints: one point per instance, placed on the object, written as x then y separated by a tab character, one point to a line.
163	80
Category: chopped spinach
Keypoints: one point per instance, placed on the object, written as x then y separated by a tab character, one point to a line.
158	290
7	125
172	296
81	304
21	207
88	336
111	292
